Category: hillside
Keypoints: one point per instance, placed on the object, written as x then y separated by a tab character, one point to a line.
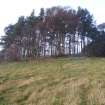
62	81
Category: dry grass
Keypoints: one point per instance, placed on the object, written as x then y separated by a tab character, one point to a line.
63	81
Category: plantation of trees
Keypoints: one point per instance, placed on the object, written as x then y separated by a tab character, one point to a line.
56	31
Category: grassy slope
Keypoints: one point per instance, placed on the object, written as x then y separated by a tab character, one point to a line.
63	81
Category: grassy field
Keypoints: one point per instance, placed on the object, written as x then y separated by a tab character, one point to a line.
62	81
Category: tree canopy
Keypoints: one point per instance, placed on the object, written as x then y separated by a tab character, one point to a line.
56	31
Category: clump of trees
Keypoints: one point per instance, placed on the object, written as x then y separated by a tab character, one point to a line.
56	31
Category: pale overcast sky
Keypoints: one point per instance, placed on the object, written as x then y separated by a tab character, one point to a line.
10	10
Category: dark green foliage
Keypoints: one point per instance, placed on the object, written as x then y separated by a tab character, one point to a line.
97	47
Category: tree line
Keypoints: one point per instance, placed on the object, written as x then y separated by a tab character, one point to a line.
56	31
